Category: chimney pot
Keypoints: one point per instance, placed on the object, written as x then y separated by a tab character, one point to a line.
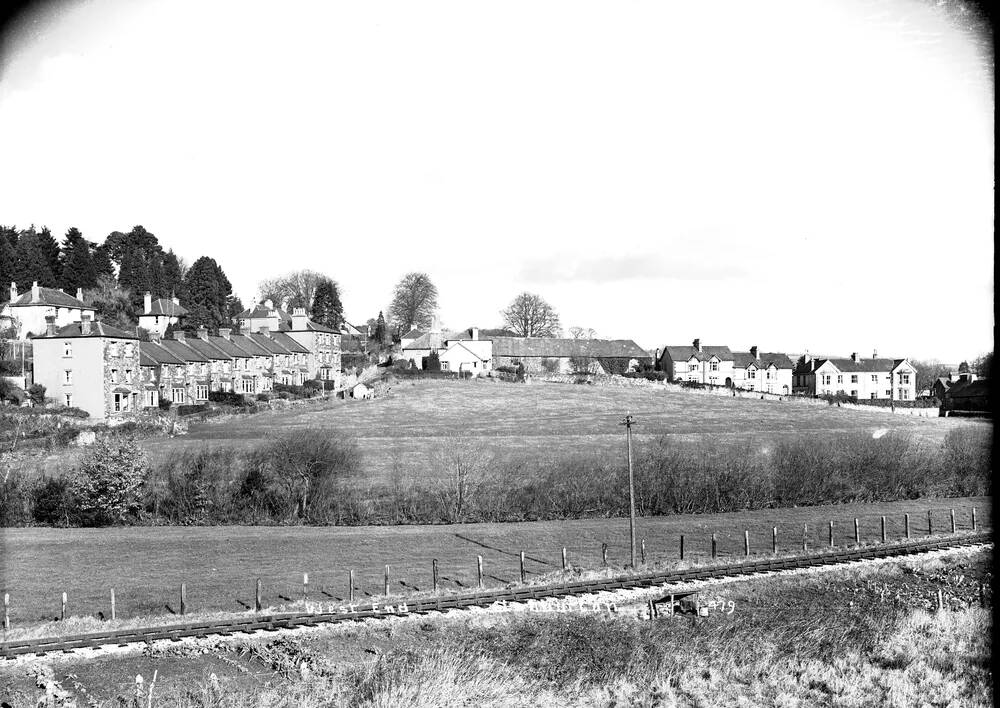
79	294
203	333
50	325
854	356
178	336
225	332
175	299
874	354
475	334
269	304
84	325
35	295
147	302
266	331
753	352
697	344
13	291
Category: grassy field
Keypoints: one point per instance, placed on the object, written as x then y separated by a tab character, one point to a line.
220	564
405	433
851	636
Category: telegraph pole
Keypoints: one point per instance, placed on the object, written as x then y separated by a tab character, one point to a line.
627	422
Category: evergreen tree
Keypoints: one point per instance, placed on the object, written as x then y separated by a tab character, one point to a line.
31	262
50	249
114	305
78	269
133	275
8	266
102	261
206	289
234	306
171	275
327	309
381	331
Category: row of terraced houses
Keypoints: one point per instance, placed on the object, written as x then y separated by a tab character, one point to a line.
111	372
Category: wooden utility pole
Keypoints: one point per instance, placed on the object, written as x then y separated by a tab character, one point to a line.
627	422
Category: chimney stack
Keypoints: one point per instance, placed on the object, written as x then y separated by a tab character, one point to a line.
475	334
224	332
874	354
435	325
13	291
697	344
178	335
753	352
203	333
85	324
175	300
79	294
269	304
266	331
35	295
854	356
50	325
299	318
147	303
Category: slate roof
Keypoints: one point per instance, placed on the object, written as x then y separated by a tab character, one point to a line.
97	329
182	351
260	312
269	345
227	346
742	360
312	327
413	334
459	344
166	306
51	297
969	389
555	347
289	343
207	349
249	345
686	351
870	366
435	340
153	354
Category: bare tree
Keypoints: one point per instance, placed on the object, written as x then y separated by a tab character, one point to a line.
464	465
414	301
530	316
295	289
581	333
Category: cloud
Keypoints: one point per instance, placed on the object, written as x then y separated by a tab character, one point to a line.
624	268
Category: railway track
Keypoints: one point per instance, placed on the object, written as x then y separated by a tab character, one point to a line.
400	606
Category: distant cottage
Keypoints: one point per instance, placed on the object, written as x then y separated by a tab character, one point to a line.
27	313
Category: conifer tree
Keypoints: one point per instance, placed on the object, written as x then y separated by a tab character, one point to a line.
50	249
327	309
78	270
172	279
8	266
206	290
31	263
103	265
133	275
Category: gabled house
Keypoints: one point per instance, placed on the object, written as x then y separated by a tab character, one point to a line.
770	372
163	374
967	396
872	379
90	365
260	367
197	379
220	361
264	315
410	337
322	342
159	314
697	362
27	313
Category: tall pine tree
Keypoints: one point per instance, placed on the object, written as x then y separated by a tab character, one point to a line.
326	306
78	270
103	264
172	280
133	275
8	266
32	263
50	249
206	290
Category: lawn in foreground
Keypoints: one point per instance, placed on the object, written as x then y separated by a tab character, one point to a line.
405	433
220	565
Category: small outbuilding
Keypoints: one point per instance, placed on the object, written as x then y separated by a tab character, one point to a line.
361	391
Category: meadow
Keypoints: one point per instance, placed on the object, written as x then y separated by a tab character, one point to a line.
405	435
221	564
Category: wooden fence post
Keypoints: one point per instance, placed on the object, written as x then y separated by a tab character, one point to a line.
565	565
973	518
62	611
805	532
857	533
6	611
831	534
258	596
682	546
385	587
930	524
305	586
604	553
113	610
434	573
479	570
350	580
746	542
713	546
642	550
883	529
952	520
906	524
184	598
774	540
940	599
522	566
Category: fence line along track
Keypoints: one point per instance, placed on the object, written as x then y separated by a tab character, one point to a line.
291	620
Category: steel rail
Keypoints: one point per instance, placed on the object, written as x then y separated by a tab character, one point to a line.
393	606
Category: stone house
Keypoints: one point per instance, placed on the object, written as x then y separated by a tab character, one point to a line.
770	372
159	314
27	313
161	373
259	367
697	362
871	379
90	365
322	342
197	378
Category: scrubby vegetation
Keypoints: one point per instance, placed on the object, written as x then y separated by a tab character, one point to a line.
315	477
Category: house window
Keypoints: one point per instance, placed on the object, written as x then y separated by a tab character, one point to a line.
177	395
840	378
692	367
128	375
769	374
201	392
69	400
826	379
904	379
874	377
114	376
752	373
113	349
714	366
68	349
68	376
903	394
888	394
128	350
854	378
873	395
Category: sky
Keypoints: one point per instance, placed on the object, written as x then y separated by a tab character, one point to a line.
797	176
